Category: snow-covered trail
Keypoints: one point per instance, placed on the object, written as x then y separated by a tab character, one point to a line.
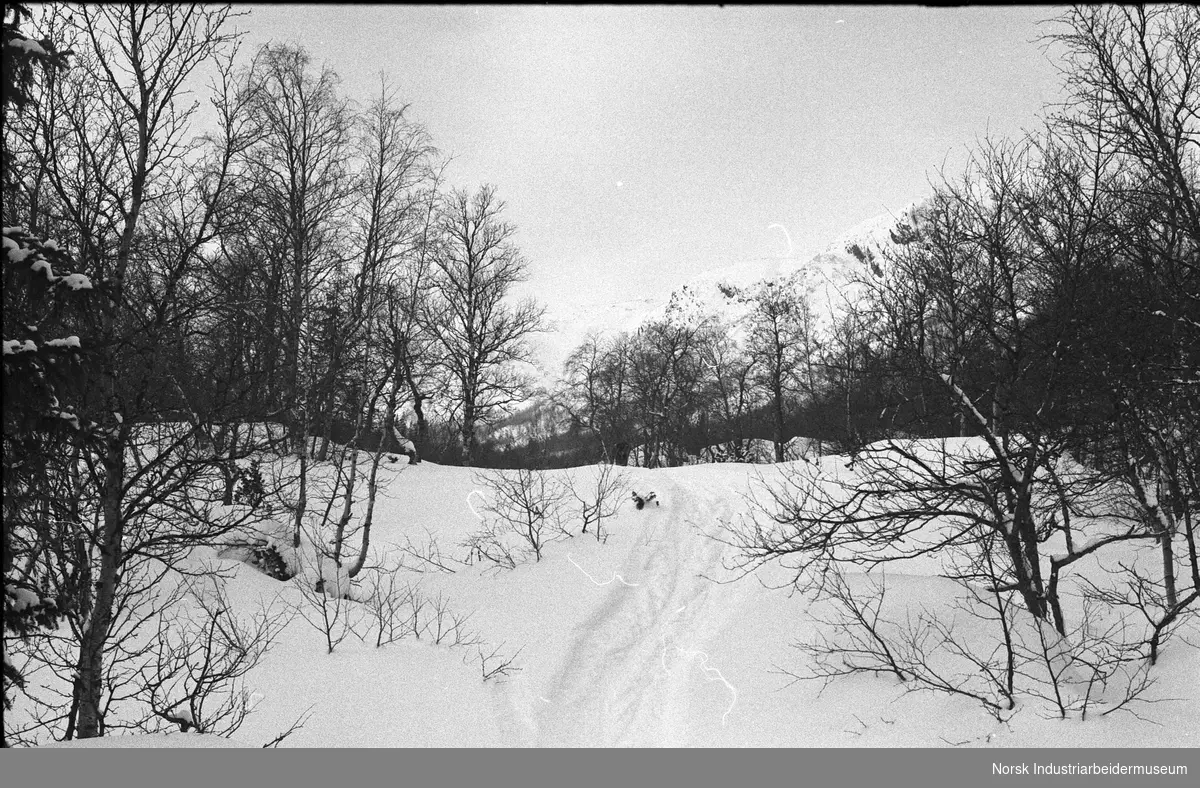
625	679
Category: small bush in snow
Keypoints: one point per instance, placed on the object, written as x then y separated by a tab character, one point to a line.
196	679
445	627
523	503
325	603
495	665
981	649
394	605
599	497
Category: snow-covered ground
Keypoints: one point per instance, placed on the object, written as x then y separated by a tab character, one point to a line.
640	640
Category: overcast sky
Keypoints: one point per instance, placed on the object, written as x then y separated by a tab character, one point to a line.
638	147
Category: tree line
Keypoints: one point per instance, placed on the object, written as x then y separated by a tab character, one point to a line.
693	384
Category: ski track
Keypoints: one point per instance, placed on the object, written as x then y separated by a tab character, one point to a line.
625	679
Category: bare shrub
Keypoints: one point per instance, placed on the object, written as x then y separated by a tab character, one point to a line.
490	543
399	609
857	643
300	722
923	651
523	503
459	635
444	626
1095	666
495	665
390	603
599	497
427	557
195	679
416	606
325	603
1147	599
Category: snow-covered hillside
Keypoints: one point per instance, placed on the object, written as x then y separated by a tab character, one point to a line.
873	238
637	640
826	278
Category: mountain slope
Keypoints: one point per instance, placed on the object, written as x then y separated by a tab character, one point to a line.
827	279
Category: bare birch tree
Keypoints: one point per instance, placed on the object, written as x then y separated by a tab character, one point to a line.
480	332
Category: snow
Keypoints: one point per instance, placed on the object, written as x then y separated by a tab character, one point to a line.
77	282
874	236
27	46
14	346
70	417
20	598
17	253
335	578
40	266
406	445
630	641
153	740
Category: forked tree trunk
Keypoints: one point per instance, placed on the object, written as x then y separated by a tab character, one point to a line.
1026	571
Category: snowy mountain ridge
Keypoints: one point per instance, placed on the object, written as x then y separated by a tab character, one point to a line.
828	279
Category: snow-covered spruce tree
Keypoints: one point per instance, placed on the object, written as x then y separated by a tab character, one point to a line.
42	428
42	294
22	59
